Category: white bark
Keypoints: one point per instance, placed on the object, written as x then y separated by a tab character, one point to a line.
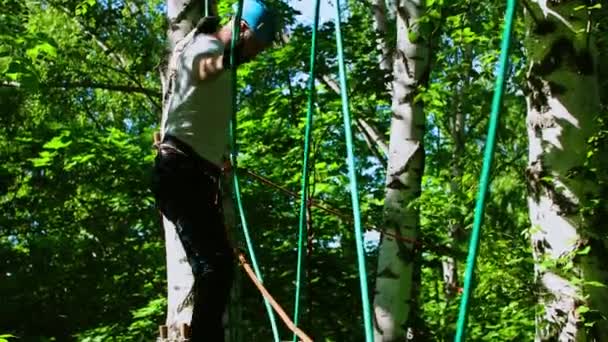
562	101
398	273
179	283
385	58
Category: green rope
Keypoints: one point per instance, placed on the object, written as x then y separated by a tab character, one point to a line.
485	173
353	181
304	191
237	193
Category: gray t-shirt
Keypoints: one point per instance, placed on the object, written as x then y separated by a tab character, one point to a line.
198	111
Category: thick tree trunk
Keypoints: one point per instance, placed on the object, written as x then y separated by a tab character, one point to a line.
398	272
182	17
563	99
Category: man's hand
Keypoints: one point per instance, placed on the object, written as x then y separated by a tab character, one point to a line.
209	67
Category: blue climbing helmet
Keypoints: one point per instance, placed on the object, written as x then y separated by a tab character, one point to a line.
259	18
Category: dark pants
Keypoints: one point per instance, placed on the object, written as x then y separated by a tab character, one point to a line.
188	194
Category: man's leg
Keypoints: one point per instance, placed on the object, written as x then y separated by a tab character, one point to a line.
213	280
192	202
212	266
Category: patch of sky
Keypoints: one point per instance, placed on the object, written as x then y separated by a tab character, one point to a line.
307	11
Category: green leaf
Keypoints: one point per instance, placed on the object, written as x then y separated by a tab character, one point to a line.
43	48
5	63
595	284
584	251
57	143
84	6
5	337
45	158
14	76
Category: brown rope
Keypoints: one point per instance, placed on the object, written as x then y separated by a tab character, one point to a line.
274	304
335	212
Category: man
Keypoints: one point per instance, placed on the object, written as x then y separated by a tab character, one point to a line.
188	166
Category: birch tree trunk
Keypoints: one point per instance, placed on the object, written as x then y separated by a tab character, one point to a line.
182	16
398	272
563	99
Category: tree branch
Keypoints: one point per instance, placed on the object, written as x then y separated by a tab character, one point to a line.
330	83
136	81
90	84
371	143
375	136
122	62
119	58
379	141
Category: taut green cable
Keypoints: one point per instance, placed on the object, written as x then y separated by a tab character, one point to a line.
304	191
235	34
484	181
353	181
